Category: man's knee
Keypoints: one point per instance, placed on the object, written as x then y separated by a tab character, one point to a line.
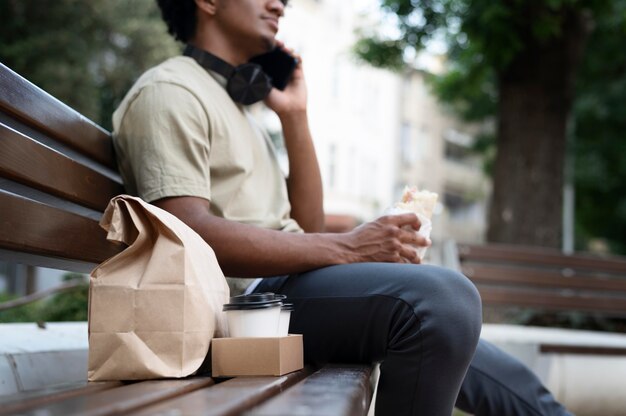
455	311
464	294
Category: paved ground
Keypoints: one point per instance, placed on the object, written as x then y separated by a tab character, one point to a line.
32	357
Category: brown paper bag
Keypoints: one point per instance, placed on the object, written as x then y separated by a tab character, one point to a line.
154	307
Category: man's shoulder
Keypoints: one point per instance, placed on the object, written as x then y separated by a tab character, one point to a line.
175	77
179	70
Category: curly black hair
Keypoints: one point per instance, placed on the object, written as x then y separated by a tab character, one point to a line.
180	16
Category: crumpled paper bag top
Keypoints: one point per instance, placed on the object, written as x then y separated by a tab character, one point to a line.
154	307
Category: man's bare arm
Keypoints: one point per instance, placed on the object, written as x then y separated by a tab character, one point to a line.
250	251
304	183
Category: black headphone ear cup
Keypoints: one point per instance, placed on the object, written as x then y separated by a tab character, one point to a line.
249	84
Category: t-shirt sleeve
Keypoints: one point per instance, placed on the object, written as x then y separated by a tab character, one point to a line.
165	138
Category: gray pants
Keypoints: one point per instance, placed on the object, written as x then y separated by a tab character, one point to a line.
423	324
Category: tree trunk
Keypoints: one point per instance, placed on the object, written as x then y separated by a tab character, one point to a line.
536	95
31	279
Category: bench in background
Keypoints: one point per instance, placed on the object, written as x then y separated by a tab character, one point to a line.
546	280
57	174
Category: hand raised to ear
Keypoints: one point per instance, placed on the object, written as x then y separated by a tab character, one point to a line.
294	97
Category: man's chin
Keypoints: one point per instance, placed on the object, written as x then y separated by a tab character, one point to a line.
269	43
266	44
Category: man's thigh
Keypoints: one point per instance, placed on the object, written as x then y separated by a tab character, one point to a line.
351	313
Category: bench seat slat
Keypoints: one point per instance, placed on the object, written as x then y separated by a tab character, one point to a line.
503	253
36	107
17	403
32	163
122	400
230	397
33	227
497	274
333	390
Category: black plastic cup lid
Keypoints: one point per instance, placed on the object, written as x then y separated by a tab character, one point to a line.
254	301
287	307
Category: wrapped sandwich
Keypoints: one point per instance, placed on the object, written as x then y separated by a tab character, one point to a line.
421	203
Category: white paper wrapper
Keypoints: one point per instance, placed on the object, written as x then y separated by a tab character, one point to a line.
424	230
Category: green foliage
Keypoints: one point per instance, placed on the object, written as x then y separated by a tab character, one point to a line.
25	313
496	30
381	53
86	53
469	89
485	145
600	147
66	306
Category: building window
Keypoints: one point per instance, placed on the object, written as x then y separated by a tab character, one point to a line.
353	172
458	147
332	166
407	153
335	75
463	209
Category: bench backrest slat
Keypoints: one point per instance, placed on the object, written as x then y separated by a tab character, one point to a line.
503	253
36	107
29	162
499	274
33	227
552	300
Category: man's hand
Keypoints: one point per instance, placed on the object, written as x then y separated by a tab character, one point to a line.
294	98
389	239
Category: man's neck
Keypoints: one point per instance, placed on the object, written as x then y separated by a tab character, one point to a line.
219	45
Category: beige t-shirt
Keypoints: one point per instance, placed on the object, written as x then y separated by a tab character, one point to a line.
178	133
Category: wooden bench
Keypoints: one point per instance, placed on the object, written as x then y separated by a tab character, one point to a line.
57	174
546	280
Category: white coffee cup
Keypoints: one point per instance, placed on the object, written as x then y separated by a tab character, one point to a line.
285	317
255	315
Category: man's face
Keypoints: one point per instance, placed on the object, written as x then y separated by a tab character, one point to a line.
252	24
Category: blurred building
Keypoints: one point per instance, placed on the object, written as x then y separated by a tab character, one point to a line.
376	131
352	108
434	153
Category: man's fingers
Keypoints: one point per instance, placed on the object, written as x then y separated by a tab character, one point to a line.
408	236
413	238
408	253
403	219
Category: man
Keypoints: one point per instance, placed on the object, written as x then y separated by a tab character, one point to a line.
185	145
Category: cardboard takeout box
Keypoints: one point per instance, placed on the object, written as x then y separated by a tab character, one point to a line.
273	356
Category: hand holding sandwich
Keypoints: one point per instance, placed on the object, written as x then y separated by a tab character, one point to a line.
389	239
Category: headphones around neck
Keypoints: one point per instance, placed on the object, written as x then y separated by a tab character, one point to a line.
246	84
